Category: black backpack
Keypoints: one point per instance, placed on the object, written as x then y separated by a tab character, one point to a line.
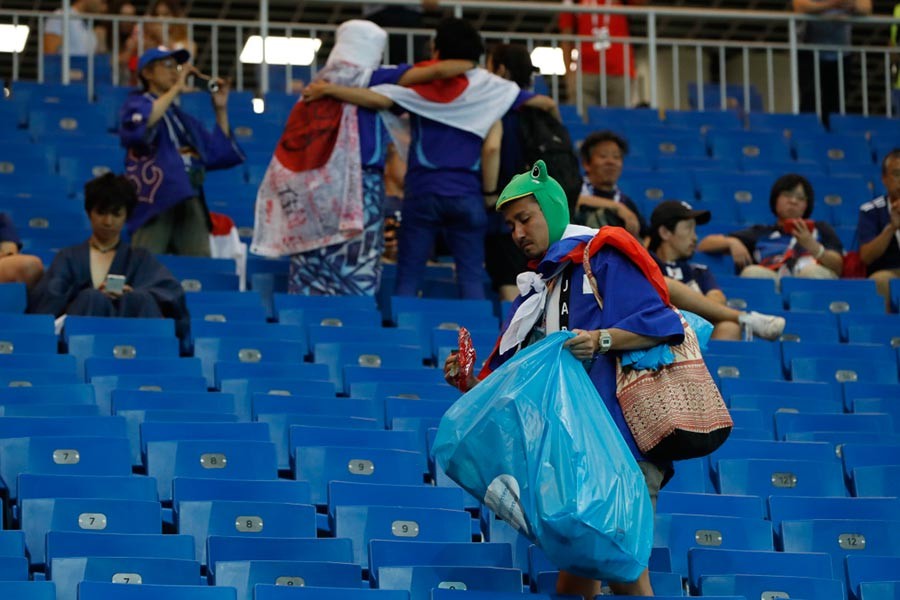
545	138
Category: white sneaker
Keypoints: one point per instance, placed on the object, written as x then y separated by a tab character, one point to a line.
768	327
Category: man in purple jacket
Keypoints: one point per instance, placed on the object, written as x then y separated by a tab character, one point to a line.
169	153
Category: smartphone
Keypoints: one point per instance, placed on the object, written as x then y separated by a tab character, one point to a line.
115	283
791	223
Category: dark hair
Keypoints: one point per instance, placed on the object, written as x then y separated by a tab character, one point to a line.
109	193
598	137
456	38
655	239
517	61
788	182
895	153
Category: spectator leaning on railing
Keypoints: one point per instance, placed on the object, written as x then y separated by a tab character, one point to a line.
82	38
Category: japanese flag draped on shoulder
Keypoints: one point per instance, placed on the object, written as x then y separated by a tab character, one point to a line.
311	194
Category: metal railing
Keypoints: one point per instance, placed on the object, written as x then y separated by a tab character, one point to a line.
770	66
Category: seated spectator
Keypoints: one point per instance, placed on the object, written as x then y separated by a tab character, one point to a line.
78	280
15	267
879	228
82	38
673	239
601	201
794	246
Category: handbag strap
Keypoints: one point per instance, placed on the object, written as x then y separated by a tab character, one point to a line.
589	273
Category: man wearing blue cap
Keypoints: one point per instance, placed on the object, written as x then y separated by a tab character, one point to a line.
169	153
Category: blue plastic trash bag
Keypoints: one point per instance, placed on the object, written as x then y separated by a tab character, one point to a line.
535	442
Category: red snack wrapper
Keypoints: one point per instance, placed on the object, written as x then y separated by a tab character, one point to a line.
465	359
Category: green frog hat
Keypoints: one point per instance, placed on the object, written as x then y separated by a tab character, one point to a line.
549	194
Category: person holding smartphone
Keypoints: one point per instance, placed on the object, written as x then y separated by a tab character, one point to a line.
105	276
794	246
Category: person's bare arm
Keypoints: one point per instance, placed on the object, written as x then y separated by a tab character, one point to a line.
363	97
877	246
442	69
490	163
544	103
52	43
585	344
719	244
687	298
811	7
716	296
162	104
862	7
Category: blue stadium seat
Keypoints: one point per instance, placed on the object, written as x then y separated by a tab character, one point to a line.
793	422
319	334
798	508
280	592
764	477
210	350
12	543
40	324
246	370
75	394
411	390
873	334
244	490
392	553
406	407
28	590
352	438
239	329
691	476
711	562
121	346
231	548
769	405
48	362
420	580
742	449
343	493
319	465
62	455
206	282
51	410
888	322
333	303
731	387
370	354
245	575
872	454
879	590
249	385
326	317
67	573
458	310
855	124
841	538
809	327
429	377
748	146
601	116
858	389
704	120
878	405
50	122
13	568
828	287
280	424
273	404
894	289
841	196
790	125
94	590
212	459
126	487
362	524
771	586
210	402
837	303
747	507
843	370
862	568
76	325
27	342
100	366
830	149
723	367
876	481
672	142
650	188
40	515
164	432
64	544
200	519
146	382
223	313
15	377
681	532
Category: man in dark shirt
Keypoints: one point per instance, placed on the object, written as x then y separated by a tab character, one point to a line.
879	228
601	202
673	239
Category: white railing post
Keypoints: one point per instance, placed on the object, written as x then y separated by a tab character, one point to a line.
795	70
651	49
264	32
66	42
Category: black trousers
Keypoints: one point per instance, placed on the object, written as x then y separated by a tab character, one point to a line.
829	86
